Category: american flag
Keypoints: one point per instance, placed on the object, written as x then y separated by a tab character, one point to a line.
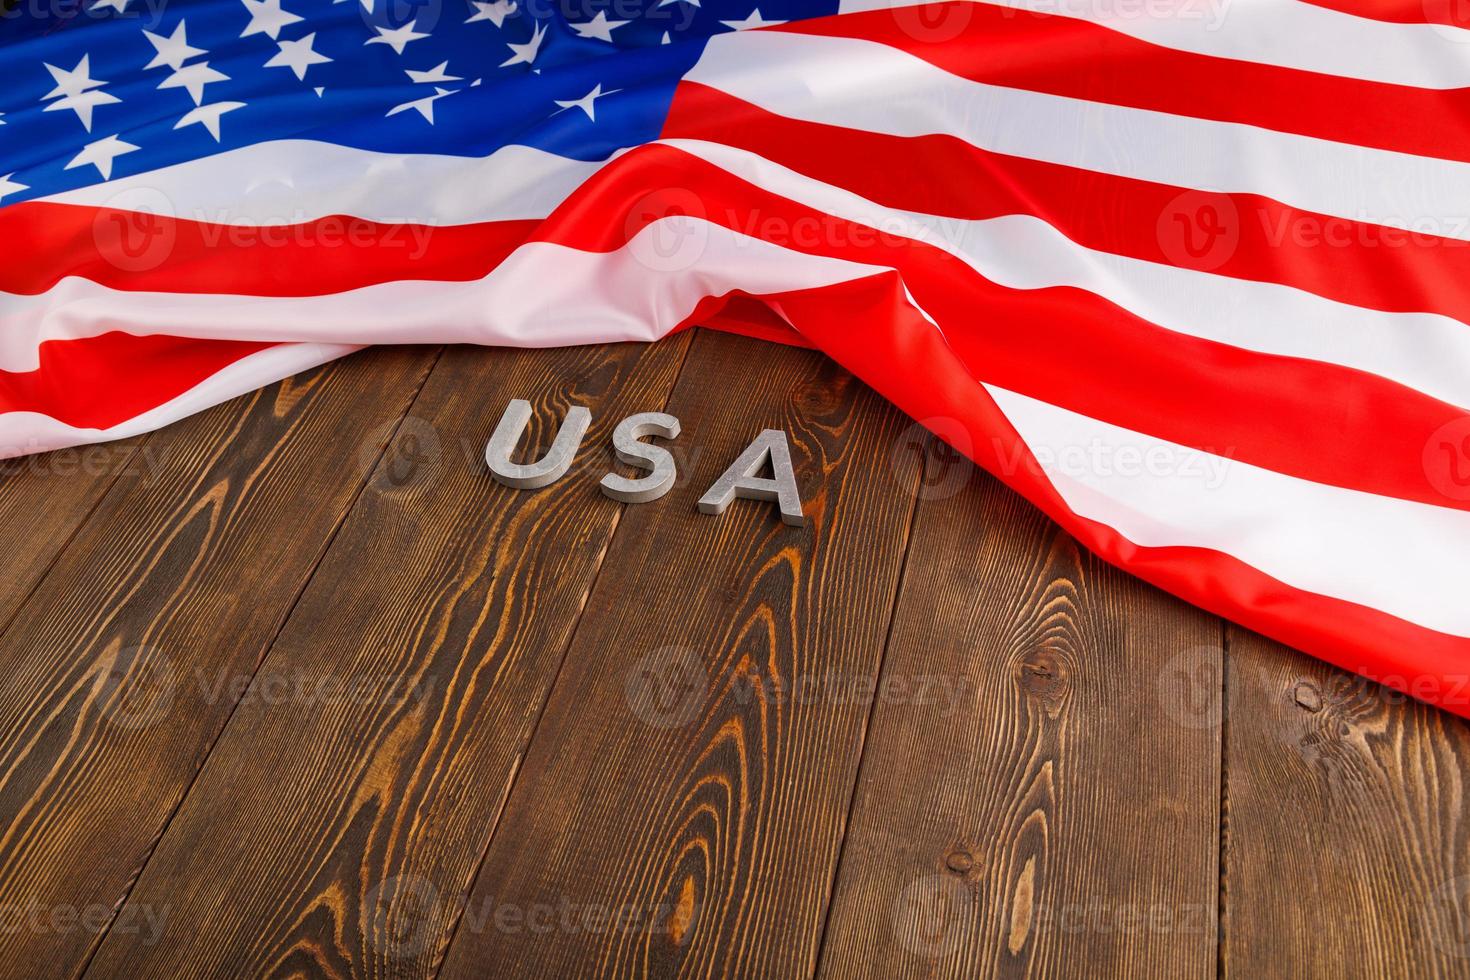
1191	275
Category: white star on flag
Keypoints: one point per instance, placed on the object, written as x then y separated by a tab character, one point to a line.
8	186
751	22
495	12
397	38
525	53
193	79
78	91
73	82
297	56
587	102
424	106
83	104
173	50
599	28
100	154
121	6
267	17
439	73
208	116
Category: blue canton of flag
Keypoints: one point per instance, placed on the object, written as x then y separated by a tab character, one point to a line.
117	87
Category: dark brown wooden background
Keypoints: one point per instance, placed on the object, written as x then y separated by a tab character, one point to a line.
293	689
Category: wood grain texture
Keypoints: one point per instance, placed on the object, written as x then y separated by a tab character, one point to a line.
913	739
1348	838
44	499
1051	809
334	834
682	802
115	676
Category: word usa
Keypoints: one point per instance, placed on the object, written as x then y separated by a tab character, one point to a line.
740	480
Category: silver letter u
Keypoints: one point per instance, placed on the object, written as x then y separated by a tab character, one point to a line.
545	471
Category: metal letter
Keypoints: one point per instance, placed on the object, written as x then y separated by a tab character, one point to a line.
657	460
740	479
551	467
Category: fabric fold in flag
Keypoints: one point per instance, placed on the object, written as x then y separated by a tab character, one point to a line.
1192	278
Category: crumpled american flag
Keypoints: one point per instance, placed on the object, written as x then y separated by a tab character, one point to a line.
1191	275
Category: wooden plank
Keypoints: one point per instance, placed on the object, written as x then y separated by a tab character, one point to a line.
44	499
1348	841
344	813
117	674
1051	809
682	802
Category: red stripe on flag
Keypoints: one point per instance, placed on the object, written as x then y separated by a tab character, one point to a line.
1450	13
876	336
1069	57
1063	345
100	382
1253	237
147	252
1066	346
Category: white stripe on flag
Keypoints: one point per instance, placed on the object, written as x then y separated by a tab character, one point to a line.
543	295
1403	557
1424	351
286	182
833	80
1288	33
30	432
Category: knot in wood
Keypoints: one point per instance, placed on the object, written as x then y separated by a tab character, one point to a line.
1042	673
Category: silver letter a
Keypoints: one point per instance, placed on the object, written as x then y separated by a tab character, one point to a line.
740	479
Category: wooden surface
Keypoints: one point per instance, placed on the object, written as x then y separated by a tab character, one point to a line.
294	689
